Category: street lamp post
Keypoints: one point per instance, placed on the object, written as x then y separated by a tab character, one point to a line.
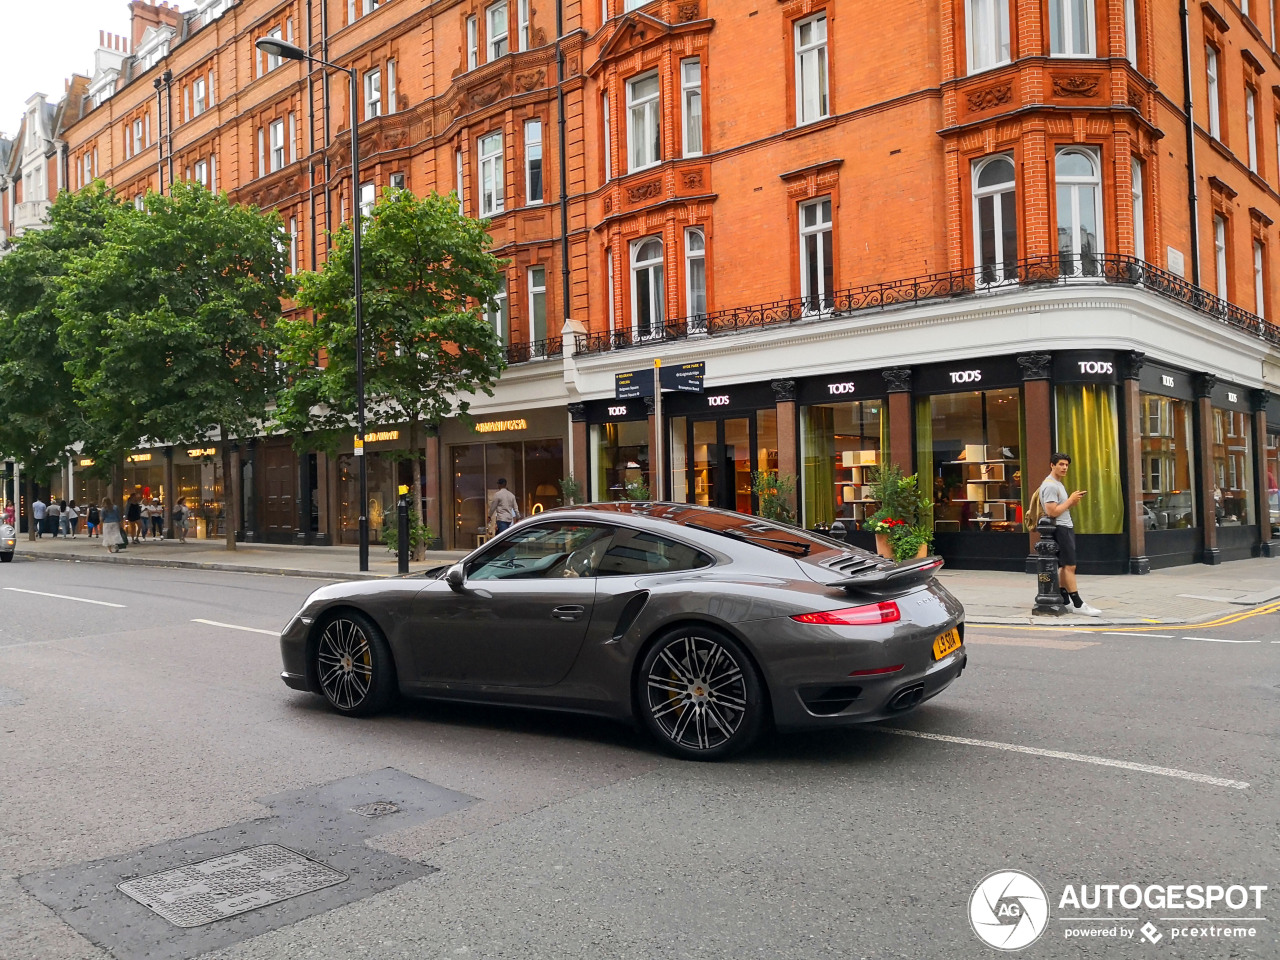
288	51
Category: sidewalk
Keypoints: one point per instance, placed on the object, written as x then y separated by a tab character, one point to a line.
1176	595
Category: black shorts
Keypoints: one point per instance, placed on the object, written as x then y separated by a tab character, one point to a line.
1066	547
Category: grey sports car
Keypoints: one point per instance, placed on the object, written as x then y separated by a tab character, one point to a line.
702	625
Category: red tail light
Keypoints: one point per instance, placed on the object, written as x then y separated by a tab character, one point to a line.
877	671
873	614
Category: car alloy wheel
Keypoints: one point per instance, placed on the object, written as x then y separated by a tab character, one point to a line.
700	694
354	665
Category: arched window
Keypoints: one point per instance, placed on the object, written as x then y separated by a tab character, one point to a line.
995	219
648	292
1079	198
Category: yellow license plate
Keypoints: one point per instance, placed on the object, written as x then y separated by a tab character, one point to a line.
946	643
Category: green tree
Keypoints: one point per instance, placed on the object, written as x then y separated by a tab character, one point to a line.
425	271
172	317
39	417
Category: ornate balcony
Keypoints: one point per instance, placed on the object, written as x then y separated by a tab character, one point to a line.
30	214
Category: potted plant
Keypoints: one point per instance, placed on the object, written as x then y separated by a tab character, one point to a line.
912	544
903	510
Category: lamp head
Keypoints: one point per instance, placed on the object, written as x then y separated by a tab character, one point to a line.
278	48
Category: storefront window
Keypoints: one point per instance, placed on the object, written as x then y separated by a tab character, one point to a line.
532	469
621	459
679	461
1273	474
1232	468
840	446
1089	433
970	445
382	484
1168	467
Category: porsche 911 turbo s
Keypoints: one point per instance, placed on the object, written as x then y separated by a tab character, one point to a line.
702	625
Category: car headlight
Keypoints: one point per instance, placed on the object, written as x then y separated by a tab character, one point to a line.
11	543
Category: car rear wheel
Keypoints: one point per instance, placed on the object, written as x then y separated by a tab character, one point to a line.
700	694
354	665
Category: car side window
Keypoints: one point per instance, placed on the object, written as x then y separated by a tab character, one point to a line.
634	553
543	550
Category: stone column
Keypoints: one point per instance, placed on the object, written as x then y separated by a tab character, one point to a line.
784	397
656	484
580	468
1131	369
901	443
1204	384
1037	408
1269	547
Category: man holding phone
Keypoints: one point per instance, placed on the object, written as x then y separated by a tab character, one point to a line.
1057	504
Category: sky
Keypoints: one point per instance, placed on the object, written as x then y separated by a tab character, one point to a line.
47	41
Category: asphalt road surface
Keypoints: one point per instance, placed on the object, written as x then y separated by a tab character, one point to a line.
143	729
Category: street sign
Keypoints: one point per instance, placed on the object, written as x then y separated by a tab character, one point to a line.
683	377
636	383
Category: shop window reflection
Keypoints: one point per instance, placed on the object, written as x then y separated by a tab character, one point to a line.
532	469
621	458
1233	504
1168	474
1273	475
840	447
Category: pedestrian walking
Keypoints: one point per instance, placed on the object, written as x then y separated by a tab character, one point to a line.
1057	504
38	511
73	519
504	509
53	516
180	514
92	520
110	525
157	518
132	518
144	518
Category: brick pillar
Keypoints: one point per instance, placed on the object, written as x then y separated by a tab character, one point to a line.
433	470
1270	548
1037	407
901	444
581	464
1204	384
1131	445
784	395
656	484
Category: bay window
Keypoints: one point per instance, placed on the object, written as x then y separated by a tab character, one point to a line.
1079	200
1071	28
988	32
995	219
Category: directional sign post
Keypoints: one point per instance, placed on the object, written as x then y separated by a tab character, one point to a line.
677	378
636	383
684	377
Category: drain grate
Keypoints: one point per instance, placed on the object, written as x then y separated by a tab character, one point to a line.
379	808
210	890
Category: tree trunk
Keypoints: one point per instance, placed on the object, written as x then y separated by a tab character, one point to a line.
230	491
415	501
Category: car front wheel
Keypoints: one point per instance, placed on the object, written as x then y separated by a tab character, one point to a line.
354	665
6	557
700	695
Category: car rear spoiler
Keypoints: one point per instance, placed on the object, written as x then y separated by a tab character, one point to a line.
895	577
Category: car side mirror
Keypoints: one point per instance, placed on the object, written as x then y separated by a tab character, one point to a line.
455	577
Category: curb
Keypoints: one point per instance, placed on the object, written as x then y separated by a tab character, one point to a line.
224	567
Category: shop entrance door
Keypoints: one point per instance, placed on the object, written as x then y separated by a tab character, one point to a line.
279	500
722	452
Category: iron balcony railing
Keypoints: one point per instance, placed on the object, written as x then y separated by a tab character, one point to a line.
535	350
1102	268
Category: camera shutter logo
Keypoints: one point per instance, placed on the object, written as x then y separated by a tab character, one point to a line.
1009	910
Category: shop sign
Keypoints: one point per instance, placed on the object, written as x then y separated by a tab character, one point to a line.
618	411
139	457
196	453
379	436
86	462
718	400
1081	367
1166	380
841	389
501	426
966	376
1232	398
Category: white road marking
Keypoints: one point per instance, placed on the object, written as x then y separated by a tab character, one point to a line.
1220	640
236	626
1063	755
1032	642
63	596
1122	633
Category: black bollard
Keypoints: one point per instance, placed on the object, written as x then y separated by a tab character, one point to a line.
1048	599
402	542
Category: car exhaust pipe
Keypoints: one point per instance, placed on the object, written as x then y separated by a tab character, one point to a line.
907	698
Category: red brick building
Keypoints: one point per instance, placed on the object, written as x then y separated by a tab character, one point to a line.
746	186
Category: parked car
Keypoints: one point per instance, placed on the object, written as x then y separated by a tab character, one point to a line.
8	542
703	625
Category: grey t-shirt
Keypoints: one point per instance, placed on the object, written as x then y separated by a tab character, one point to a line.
1051	491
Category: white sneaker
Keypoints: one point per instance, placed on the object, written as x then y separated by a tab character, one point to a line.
1088	611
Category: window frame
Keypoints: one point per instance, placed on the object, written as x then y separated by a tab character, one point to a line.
1131	32
524	26
692	256
492	201
1138	182
497	312
493	39
1260	278
473	42
824	251
997	45
199	96
1212	62
995	272
822	64
537	292
533	197
372	96
274	126
691	91
1221	260
655	267
1068	46
1075	183
1251	126
644	112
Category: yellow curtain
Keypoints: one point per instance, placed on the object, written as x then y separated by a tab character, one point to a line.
924	454
1089	433
818	468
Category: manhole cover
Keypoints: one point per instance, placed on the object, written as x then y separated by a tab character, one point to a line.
379	808
225	886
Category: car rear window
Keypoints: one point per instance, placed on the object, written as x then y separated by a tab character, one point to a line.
637	552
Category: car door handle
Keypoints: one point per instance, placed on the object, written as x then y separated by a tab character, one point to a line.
571	611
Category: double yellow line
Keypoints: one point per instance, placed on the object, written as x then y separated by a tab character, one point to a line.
1272	607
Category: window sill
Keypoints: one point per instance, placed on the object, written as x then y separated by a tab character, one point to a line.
647	166
803	128
1091	55
978	71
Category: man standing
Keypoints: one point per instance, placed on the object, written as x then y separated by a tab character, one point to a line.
37	516
1056	503
53	516
503	508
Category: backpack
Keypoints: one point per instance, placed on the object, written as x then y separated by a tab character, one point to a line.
1034	511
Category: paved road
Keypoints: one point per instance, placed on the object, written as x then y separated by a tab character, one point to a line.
134	739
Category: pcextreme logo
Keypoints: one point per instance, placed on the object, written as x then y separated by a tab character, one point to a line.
1009	910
